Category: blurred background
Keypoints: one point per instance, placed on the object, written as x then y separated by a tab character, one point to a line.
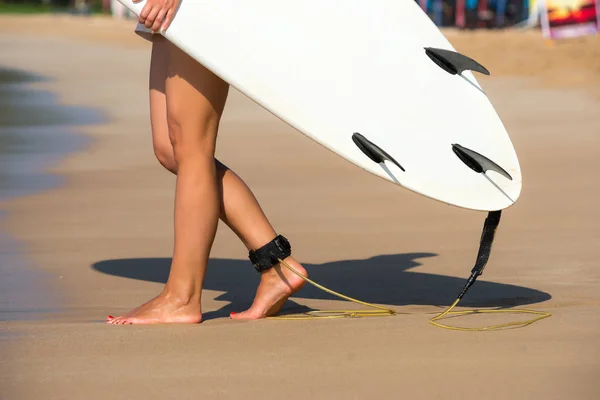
462	14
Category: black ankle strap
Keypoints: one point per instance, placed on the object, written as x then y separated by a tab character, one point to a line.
268	255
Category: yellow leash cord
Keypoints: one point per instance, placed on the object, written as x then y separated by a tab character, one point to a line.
376	311
380	311
444	315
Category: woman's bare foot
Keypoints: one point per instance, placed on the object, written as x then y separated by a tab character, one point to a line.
276	286
163	309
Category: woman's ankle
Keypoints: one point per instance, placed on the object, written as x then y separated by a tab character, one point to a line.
182	293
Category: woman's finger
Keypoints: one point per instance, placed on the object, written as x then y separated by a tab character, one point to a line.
145	12
159	20
151	17
168	19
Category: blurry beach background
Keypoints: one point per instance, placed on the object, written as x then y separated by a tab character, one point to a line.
86	230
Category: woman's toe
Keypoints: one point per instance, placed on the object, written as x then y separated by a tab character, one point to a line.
248	314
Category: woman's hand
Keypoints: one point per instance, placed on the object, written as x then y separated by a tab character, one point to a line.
158	14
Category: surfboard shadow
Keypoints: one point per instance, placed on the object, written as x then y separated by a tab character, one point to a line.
383	279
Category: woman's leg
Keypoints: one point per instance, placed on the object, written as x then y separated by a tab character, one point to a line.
195	100
191	84
239	209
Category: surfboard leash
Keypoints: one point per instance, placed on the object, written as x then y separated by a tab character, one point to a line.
485	247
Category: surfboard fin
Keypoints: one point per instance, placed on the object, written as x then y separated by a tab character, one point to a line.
454	63
478	162
374	152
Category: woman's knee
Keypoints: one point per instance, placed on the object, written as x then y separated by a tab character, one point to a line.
192	139
164	154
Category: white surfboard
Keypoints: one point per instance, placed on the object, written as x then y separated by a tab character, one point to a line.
333	69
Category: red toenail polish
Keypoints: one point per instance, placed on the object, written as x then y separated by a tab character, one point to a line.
232	313
110	316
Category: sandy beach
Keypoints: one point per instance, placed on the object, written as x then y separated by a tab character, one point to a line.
102	241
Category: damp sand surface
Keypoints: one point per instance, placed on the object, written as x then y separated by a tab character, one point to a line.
35	133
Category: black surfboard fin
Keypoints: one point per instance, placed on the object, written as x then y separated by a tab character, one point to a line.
478	162
454	63
374	152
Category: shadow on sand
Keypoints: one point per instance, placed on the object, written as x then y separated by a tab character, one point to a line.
384	279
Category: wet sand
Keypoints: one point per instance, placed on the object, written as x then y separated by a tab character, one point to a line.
34	133
104	238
